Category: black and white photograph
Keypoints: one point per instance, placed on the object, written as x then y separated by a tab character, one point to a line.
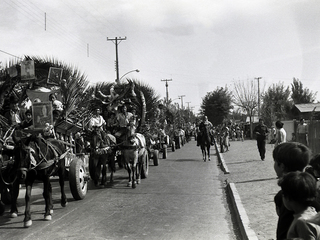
160	119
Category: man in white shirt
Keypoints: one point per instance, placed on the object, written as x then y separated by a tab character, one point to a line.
97	120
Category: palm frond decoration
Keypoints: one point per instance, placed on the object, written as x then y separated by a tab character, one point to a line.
72	85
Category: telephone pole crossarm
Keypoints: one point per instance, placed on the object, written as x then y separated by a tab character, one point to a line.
167	92
181	97
117	41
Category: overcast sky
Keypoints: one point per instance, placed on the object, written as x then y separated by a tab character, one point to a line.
200	45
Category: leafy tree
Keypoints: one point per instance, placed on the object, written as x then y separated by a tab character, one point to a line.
216	105
300	94
276	104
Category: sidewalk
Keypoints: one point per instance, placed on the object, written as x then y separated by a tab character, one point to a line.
253	185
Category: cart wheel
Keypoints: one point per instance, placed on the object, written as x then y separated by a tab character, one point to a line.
173	147
77	181
156	157
145	166
165	152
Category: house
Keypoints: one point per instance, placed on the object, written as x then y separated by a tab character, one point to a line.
306	111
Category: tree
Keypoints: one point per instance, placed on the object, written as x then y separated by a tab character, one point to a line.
300	94
216	105
246	97
276	104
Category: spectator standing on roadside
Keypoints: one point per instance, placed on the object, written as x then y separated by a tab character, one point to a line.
298	191
281	135
288	157
302	132
261	132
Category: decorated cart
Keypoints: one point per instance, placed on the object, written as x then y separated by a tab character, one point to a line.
31	83
62	130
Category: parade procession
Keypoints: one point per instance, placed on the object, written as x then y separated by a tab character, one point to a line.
52	125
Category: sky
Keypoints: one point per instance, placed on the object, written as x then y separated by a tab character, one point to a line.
197	45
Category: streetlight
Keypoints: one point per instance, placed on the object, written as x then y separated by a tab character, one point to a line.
136	70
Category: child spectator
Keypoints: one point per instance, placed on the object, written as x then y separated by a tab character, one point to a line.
281	135
298	193
288	157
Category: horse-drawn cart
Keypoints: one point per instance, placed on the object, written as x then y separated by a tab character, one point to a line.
77	164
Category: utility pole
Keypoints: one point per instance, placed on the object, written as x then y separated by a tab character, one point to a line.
181	97
117	41
188	104
258	78
167	92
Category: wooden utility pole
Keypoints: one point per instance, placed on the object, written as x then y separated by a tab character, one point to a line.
188	104
117	41
167	92
181	97
258	78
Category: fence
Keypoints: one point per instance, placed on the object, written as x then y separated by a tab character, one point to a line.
314	136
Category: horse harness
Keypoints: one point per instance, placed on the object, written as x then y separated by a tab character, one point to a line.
44	162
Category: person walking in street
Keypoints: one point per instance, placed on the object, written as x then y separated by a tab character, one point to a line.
281	135
298	191
261	132
288	157
302	132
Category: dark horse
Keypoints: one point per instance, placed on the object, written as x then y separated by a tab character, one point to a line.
205	143
101	153
38	158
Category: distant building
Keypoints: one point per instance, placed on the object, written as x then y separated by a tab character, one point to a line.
306	111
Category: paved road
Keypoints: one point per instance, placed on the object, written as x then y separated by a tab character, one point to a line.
183	198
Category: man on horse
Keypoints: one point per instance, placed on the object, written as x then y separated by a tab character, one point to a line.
205	125
97	122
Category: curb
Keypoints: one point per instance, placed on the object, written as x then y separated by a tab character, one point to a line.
221	160
242	217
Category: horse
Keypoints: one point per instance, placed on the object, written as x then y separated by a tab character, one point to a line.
134	152
205	143
39	158
101	154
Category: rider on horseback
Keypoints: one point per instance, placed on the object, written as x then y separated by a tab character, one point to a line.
97	122
203	126
126	120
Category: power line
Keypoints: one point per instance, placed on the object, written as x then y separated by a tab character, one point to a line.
10	54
